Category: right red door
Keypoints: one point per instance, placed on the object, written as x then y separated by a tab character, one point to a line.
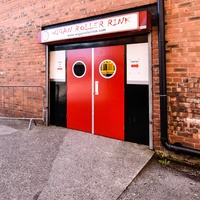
109	91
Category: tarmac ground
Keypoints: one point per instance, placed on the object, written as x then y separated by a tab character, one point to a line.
158	182
51	163
54	163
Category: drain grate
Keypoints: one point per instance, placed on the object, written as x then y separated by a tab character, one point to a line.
6	130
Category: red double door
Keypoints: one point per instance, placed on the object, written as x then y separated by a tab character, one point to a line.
95	91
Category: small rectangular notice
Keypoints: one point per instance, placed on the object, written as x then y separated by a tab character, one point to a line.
57	66
137	63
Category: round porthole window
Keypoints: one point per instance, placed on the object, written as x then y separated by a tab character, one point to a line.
107	69
79	69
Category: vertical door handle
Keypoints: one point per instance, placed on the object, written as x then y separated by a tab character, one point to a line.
96	87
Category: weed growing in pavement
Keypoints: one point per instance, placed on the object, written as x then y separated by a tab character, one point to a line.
164	161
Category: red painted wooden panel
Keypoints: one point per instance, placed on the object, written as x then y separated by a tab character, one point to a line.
79	101
109	103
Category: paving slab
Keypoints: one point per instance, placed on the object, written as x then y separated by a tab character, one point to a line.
62	164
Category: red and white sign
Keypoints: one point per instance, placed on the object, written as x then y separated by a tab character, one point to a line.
57	66
121	23
137	63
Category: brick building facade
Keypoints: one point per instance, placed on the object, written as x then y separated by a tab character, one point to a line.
23	59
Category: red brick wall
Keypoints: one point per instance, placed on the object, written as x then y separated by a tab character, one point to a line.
22	59
155	90
183	71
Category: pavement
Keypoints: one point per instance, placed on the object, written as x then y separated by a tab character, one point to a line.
158	182
55	163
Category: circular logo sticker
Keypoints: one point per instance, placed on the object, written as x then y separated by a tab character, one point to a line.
45	36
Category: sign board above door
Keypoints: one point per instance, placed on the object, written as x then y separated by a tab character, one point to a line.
116	24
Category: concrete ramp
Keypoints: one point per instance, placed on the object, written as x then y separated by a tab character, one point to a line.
6	130
90	167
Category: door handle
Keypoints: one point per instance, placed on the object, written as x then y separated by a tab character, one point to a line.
96	88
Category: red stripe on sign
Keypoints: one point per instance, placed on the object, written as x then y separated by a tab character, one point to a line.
59	68
135	65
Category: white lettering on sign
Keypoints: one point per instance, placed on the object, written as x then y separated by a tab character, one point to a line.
120	23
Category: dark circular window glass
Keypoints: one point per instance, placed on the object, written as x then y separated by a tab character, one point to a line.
79	69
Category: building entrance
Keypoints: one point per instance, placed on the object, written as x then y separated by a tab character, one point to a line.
106	89
95	90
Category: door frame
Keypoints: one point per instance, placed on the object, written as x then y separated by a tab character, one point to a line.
150	92
133	39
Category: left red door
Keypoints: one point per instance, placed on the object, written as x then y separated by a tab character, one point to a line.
79	87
